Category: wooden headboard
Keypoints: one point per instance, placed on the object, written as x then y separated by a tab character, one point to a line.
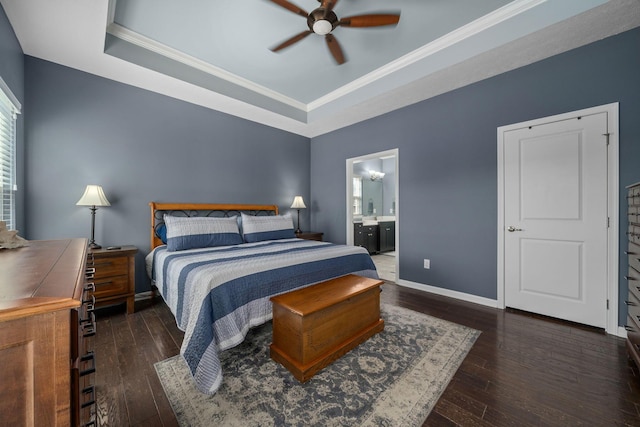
158	210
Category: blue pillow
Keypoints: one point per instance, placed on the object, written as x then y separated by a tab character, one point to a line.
201	232
161	232
259	228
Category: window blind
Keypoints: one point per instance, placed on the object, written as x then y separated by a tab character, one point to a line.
9	109
357	195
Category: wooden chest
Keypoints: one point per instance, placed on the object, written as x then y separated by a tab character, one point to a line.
316	325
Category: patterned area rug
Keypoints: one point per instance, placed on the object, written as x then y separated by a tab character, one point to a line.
393	379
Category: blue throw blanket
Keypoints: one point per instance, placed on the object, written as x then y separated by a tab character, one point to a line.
217	294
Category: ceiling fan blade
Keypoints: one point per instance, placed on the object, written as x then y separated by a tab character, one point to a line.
335	49
291	7
328	6
372	20
292	40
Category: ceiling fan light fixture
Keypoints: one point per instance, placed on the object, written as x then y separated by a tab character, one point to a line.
322	27
323	20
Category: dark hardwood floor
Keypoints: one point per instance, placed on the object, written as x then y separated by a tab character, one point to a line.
524	370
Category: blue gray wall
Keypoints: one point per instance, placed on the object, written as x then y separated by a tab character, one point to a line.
448	159
12	72
142	147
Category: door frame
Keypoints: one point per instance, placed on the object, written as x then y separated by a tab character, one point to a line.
613	190
395	152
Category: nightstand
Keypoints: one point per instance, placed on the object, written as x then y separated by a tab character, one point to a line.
114	275
310	235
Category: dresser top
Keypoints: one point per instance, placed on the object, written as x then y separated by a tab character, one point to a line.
47	275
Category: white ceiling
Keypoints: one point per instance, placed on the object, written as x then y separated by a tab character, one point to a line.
216	53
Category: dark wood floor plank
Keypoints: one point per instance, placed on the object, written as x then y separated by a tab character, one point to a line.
169	322
165	412
458	415
437	420
111	407
162	339
524	369
465	402
497	406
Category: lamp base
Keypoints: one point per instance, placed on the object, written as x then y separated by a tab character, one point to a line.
94	245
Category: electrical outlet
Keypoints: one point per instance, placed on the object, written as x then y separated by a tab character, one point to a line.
427	263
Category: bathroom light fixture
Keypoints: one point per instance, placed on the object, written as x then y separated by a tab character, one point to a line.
298	204
93	196
375	176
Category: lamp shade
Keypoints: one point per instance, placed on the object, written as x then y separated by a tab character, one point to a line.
298	203
93	196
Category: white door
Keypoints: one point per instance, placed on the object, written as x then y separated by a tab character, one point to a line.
555	217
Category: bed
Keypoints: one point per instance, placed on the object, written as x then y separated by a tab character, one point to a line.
218	286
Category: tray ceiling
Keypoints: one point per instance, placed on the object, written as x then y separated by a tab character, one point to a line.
217	53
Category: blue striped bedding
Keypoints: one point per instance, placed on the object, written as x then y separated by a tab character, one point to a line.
217	294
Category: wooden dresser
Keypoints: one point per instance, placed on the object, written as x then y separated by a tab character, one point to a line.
633	276
46	325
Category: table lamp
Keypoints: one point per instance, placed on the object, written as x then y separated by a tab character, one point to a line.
93	196
298	204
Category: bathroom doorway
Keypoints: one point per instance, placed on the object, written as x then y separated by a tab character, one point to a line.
372	209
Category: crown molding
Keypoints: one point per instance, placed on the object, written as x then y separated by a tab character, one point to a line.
151	45
473	28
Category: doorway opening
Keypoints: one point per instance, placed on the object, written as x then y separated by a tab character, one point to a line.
372	209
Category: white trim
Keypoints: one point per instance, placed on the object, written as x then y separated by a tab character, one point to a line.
481	24
395	152
613	285
141	296
10	96
622	332
509	11
449	293
191	61
111	12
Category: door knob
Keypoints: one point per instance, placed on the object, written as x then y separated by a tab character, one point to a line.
511	228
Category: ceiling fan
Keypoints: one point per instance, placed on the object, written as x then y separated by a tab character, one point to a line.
323	21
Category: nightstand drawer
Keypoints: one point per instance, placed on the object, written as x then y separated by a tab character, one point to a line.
111	286
110	266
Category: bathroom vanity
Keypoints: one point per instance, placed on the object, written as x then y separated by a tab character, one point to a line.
377	235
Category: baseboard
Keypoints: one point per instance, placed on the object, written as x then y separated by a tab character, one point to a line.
144	295
449	293
621	332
